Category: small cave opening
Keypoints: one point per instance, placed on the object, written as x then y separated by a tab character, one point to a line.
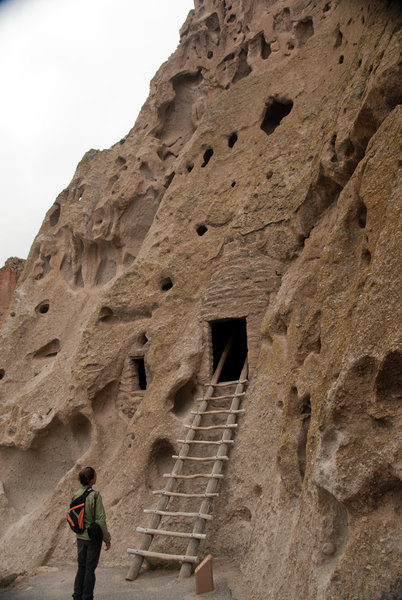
49	350
232	140
362	215
142	338
233	184
42	308
190	168
265	48
183	399
207	157
221	332
275	111
166	284
389	379
55	214
201	229
2	373
139	373
105	314
160	460
305	410
341	59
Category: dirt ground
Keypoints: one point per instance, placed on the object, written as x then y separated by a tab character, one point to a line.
56	583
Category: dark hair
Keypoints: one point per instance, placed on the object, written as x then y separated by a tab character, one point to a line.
86	475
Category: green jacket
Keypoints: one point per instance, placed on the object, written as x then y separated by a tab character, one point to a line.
89	514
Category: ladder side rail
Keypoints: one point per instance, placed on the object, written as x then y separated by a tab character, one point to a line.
171	483
199	525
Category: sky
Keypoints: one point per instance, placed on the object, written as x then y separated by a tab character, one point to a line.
74	75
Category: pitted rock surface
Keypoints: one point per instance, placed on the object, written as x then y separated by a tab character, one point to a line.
261	181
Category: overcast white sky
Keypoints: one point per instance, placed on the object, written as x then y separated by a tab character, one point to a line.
74	75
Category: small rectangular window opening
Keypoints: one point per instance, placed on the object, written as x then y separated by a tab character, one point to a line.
221	332
139	373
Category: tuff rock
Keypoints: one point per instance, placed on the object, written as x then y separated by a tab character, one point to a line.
261	181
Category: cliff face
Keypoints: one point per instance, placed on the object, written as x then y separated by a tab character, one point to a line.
261	182
9	275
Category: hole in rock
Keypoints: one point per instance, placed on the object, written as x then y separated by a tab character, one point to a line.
362	215
183	399
2	373
232	140
389	378
207	157
265	48
160	457
105	314
120	160
128	260
305	408
304	30
166	284
210	54
275	111
142	339
42	308
366	256
54	215
282	20
243	69
138	373
338	37
48	350
221	333
269	174
341	59
233	184
201	229
244	513
257	489
169	179
190	168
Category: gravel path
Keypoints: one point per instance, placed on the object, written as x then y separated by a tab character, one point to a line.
57	584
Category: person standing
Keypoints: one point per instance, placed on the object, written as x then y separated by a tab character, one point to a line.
88	551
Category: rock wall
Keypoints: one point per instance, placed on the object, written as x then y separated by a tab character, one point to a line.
260	181
9	275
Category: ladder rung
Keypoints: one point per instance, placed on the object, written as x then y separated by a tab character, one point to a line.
200	458
148	554
167	513
210	398
215	442
183	495
195	476
225	426
198	536
220	411
226	383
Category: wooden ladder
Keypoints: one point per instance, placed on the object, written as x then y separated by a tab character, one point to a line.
192	453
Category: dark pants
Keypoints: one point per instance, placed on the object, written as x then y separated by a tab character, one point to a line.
88	558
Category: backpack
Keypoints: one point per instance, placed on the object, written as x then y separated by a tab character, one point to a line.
76	512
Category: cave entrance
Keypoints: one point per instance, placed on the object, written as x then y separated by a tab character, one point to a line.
221	332
139	374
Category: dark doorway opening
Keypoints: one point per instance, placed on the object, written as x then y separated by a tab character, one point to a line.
221	332
139	373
